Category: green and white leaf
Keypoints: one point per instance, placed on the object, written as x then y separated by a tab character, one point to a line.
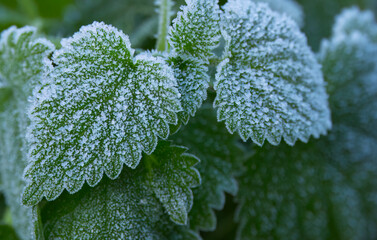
193	36
221	160
100	108
293	193
289	7
134	206
269	84
196	29
23	61
23	57
193	81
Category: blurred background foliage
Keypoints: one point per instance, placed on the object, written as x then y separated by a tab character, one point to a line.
138	19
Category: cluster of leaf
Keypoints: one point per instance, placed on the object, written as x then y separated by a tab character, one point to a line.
86	129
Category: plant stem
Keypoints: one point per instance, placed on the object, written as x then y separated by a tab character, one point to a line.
37	221
163	25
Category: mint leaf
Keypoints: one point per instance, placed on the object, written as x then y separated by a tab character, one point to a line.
196	30
132	206
99	109
269	85
221	160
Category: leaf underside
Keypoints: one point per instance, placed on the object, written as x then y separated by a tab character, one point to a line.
269	84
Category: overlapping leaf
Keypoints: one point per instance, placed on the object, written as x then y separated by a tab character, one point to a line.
23	58
269	85
133	206
193	36
98	109
221	159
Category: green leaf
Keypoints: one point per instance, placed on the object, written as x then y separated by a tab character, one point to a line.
23	57
133	206
196	30
293	193
7	232
221	160
269	84
193	36
99	108
193	81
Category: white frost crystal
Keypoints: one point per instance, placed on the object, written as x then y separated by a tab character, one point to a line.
269	84
98	109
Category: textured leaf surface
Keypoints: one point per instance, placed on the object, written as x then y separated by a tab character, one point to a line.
23	56
220	161
132	206
269	85
292	193
193	81
289	7
193	36
22	63
99	109
196	29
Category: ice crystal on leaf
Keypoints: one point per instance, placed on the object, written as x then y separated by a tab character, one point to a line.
98	109
193	36
221	159
289	7
132	206
196	30
269	84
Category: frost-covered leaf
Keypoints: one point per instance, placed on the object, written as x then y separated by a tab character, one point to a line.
269	85
196	30
130	207
293	193
98	109
289	7
220	161
354	20
193	81
193	36
22	57
22	63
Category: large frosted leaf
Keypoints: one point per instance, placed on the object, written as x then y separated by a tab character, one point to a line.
193	36
23	57
196	30
269	85
133	206
98	109
293	193
289	7
221	159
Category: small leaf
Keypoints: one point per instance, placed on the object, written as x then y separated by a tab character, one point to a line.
221	160
193	81
132	206
23	57
98	109
196	30
269	84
